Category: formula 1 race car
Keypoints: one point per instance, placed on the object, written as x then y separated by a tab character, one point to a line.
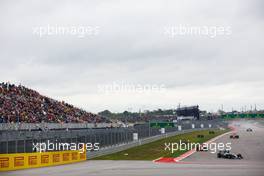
226	154
234	136
202	148
249	130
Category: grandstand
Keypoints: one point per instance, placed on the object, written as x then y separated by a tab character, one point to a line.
21	104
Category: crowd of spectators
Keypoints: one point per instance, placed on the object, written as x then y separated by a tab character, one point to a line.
21	104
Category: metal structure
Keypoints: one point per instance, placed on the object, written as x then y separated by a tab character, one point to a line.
189	111
21	141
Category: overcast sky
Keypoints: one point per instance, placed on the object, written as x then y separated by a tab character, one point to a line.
130	43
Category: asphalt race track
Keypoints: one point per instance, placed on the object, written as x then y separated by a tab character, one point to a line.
250	145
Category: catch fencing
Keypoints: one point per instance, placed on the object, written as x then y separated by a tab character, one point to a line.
21	141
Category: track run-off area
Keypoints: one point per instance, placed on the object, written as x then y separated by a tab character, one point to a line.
250	145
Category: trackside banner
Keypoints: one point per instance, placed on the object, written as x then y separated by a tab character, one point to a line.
228	116
32	160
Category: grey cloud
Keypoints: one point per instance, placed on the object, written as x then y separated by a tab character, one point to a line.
131	46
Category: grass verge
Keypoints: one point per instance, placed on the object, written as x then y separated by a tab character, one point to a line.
156	150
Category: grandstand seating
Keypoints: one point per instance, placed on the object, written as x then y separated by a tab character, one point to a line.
21	104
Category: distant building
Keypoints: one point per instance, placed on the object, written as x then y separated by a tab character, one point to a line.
188	111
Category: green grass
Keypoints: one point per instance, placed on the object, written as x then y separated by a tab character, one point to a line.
156	149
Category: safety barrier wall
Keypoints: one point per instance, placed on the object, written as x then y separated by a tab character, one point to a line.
12	142
32	160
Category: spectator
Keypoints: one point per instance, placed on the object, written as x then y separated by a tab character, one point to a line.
20	104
